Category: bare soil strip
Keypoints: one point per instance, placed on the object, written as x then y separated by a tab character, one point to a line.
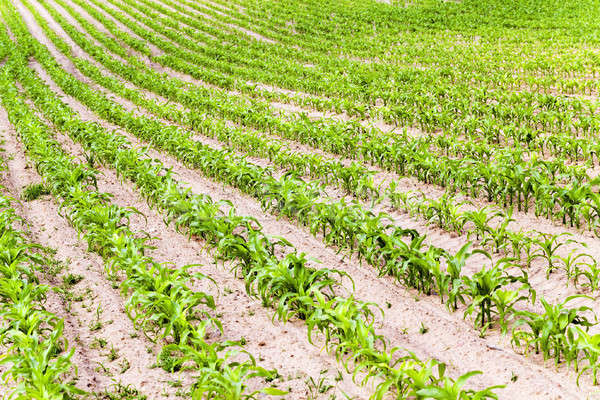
407	309
554	289
108	347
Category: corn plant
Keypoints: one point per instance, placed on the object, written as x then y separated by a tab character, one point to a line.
548	332
548	244
37	356
488	298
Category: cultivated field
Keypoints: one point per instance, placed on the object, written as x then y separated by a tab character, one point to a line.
339	199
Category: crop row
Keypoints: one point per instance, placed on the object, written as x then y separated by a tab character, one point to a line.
348	226
483	289
348	178
573	203
37	356
309	27
516	185
293	288
159	302
401	92
559	143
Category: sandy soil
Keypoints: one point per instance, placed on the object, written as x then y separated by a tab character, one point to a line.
381	178
405	313
449	338
173	247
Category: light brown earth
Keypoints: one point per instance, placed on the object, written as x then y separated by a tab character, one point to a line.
449	337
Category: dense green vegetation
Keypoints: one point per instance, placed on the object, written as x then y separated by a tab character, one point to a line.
495	105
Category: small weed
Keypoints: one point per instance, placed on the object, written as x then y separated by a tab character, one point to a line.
124	365
98	343
319	386
34	191
118	391
113	354
101	368
97	324
71	280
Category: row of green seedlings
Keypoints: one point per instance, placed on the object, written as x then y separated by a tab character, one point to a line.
266	148
306	31
300	204
209	75
37	356
426	280
158	299
254	49
348	226
190	51
424	283
226	37
479	152
400	155
444	211
172	24
365	72
490	227
576	172
288	284
261	146
354	179
293	74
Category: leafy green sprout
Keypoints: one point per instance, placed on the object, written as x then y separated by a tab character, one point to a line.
34	191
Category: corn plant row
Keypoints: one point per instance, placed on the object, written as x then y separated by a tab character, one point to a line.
285	284
485	289
513	185
252	89
301	204
36	353
288	196
333	79
245	55
295	290
354	178
490	227
144	77
38	356
158	300
547	322
297	25
115	48
500	233
559	144
348	226
562	145
218	27
554	168
526	115
243	86
485	313
509	297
